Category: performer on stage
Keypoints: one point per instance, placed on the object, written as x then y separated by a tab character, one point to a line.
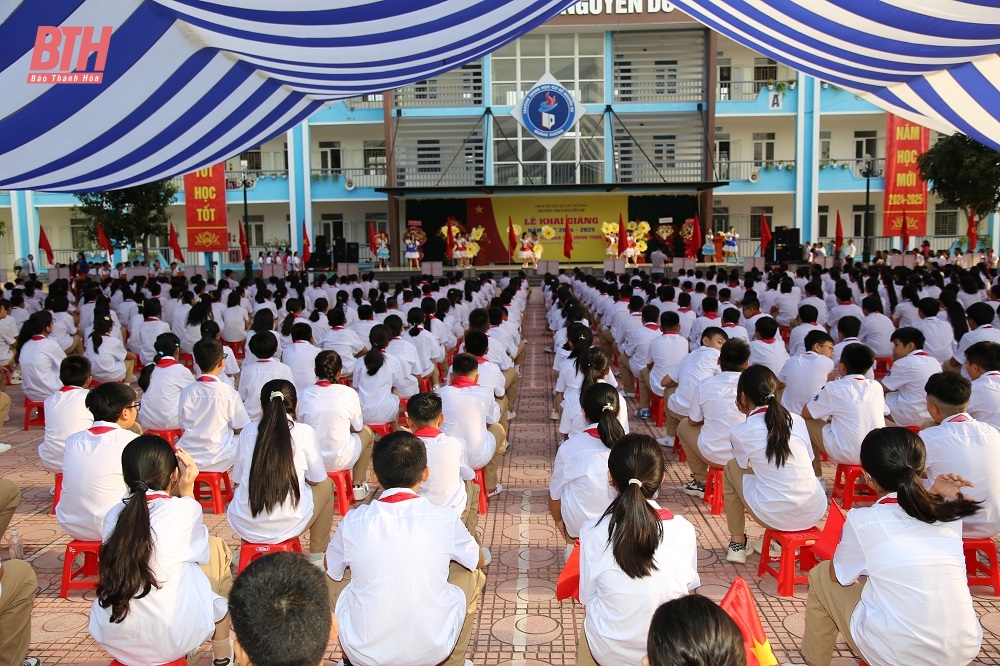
382	252
708	249
630	253
730	248
412	250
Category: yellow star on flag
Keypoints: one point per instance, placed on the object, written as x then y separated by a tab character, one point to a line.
479	209
764	653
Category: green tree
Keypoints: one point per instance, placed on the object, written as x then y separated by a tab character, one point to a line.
131	215
963	173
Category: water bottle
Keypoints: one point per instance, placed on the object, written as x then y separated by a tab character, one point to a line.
16	546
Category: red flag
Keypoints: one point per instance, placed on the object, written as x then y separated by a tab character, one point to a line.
568	584
694	244
306	254
372	238
567	240
973	237
906	233
511	237
102	240
765	235
740	605
175	244
449	249
44	244
838	239
244	247
622	235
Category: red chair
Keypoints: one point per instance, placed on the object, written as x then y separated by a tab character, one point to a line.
381	429
188	361
484	497
786	333
170	435
793	550
90	551
177	662
883	365
344	486
979	573
220	490
403	404
657	409
57	493
713	491
251	551
850	488
678	450
239	348
38	419
425	385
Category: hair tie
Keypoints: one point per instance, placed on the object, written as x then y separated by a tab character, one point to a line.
768	397
608	408
277	394
635	481
139	486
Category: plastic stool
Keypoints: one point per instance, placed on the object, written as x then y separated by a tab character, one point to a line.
403	404
713	491
883	365
251	551
978	573
239	348
170	435
90	551
345	489
484	498
380	429
220	490
38	419
57	493
188	361
425	384
177	662
850	488
786	333
678	450
792	551
656	409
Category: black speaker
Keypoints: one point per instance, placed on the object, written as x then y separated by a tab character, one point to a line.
340	250
786	236
321	254
790	253
351	254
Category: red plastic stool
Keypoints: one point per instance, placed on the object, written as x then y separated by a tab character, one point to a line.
713	491
170	435
57	493
883	365
850	488
403	404
380	429
484	498
979	574
251	551
38	419
345	489
220	490
90	551
656	409
792	551
177	662
786	333
188	361
678	450
425	384
239	348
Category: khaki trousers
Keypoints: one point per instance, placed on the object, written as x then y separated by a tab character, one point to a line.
607	342
19	589
584	657
4	412
732	490
492	469
321	524
627	382
219	567
504	421
828	612
673	418
688	434
129	368
10	497
815	428
512	382
470	517
519	356
644	392
359	473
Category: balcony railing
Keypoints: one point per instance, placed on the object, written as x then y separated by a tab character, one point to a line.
509	94
433	94
660	90
664	172
747	91
368	177
365	102
856	166
563	173
745	170
234	179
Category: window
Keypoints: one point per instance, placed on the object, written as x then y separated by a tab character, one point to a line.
763	147
666	77
865	142
755	213
725	76
78	227
332	225
374	155
823	221
859	218
664	151
577	60
253	159
380	219
720	218
945	221
329	155
425	89
764	70
428	155
723	153
824	145
256	225
624	71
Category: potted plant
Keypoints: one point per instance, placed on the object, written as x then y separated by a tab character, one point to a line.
780	86
768	165
770	84
790	166
792	84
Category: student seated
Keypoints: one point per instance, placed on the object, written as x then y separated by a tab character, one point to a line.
665	352
230	367
378	378
896	589
731	325
429	619
39	357
980	318
595	365
767	348
939	338
334	412
151	328
281	486
66	412
404	351
300	356
109	361
92	462
693	630
982	363
633	558
876	328
477	343
255	375
694	368
804	375
846	409
163	579
342	340
210	412
847	334
571	372
808	316
162	382
905	398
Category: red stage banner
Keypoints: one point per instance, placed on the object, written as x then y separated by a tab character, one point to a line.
905	190
205	207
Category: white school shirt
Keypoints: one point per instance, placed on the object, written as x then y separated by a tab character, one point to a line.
92	479
378	402
429	350
449	470
699	326
66	414
209	411
150	329
984	405
180	613
770	352
820	306
907	313
713	401
797	337
161	401
619	608
39	360
696	367
803	375
907	400
409	358
876	329
107	364
838	349
250	358
234	324
63	329
855	407
574	421
491	376
843	310
8	336
580	479
400	539
334	411
985	332
300	357
915	607
687	317
735	331
962	445
285	521
788	308
467	411
346	343
230	368
790	498
252	380
637	343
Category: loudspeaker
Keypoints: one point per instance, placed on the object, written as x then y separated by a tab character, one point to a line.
340	250
321	254
790	253
351	253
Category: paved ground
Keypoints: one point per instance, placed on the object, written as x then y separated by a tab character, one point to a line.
520	622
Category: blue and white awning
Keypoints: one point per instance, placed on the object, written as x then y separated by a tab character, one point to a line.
933	62
192	82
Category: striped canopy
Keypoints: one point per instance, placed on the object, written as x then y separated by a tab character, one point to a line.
933	62
188	83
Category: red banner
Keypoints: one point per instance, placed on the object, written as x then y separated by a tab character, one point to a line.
905	190
205	206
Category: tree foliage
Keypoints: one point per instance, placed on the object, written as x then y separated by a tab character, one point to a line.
129	216
963	173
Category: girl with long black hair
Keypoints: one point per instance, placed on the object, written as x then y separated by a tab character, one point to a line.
162	382
200	313
39	357
378	378
598	370
578	341
633	558
109	361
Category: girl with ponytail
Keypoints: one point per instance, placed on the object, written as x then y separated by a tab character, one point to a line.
282	487
293	307
162	382
633	558
571	372
109	361
896	588
39	357
598	371
378	379
771	475
156	600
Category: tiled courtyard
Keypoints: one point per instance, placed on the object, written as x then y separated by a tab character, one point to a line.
519	622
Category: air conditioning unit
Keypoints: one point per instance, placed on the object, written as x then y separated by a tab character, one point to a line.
754	176
349	184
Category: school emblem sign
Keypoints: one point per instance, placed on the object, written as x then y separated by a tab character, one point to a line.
548	111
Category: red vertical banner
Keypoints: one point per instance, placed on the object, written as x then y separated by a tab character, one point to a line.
205	208
905	190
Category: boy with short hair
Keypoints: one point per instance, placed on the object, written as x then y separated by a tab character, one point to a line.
403	537
66	412
731	325
694	368
808	322
300	356
847	334
980	317
665	352
876	328
982	362
230	368
904	385
804	375
939	338
767	348
635	356
477	343
263	346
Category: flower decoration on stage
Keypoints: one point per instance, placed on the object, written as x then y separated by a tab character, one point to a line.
418	233
517	230
477	234
548	233
537	250
641	246
609	228
472	248
631	226
687	230
456	228
642	229
665	232
382	236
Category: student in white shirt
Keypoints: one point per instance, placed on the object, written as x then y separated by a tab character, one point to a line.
430	352
980	318
66	412
771	475
150	329
905	397
281	485
300	356
697	366
342	340
490	375
235	320
847	334
64	328
804	375
405	351
263	320
896	589
876	328
255	375
808	322
92	462
731	325
635	354
39	357
162	382
8	332
767	348
982	363
845	307
939	338
200	312
109	361
378	378
704	434
633	558
163	578
429	619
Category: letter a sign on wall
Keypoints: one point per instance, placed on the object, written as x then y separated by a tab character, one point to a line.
205	208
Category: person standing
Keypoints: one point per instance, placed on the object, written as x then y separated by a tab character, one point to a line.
31	268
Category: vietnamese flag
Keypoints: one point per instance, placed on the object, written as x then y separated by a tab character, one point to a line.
44	244
765	235
838	240
244	247
740	605
694	244
372	238
511	237
175	244
973	236
905	234
306	253
567	240
102	240
622	235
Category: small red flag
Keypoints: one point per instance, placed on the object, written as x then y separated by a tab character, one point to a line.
511	237
973	236
306	254
765	235
905	234
44	244
740	605
102	240
568	584
838	240
694	244
449	249
175	244
372	238
826	544
622	235
244	247
567	240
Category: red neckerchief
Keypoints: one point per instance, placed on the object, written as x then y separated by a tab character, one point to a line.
670	333
888	500
100	430
324	382
337	328
652	327
398	497
38	337
166	362
463	382
769	341
729	326
482	359
427	431
957	418
711	315
754	314
151	319
684	309
593	432
664	514
759	410
156	496
207	378
67	389
920	353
